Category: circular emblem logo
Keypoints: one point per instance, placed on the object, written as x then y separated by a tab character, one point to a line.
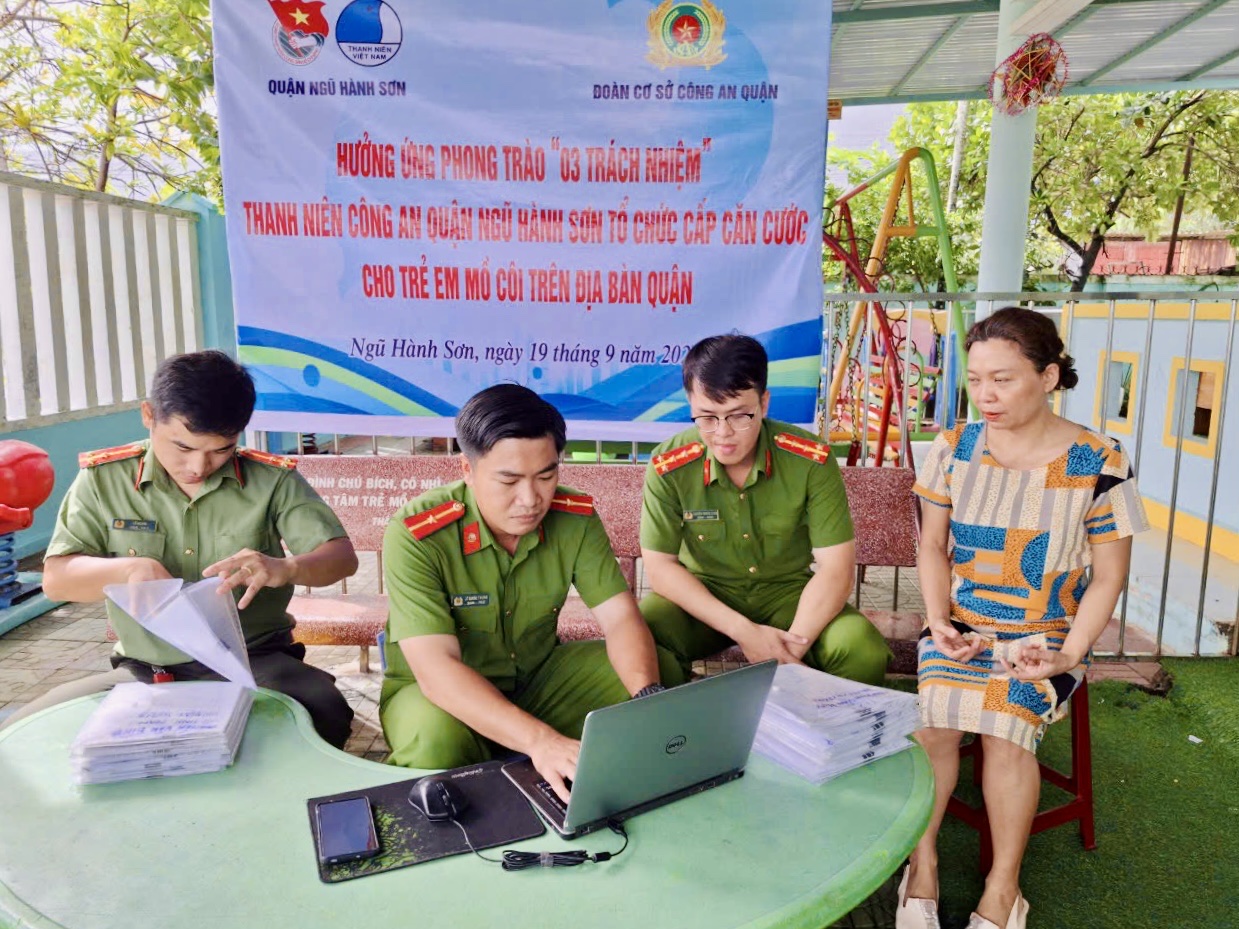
675	744
686	33
686	30
296	47
369	33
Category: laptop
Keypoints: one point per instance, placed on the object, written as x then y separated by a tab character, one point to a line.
645	753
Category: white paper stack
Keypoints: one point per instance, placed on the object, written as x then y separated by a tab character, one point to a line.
820	726
185	727
161	730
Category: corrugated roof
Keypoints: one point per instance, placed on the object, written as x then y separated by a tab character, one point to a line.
886	51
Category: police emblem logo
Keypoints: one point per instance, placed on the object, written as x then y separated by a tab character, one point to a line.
300	29
686	34
458	600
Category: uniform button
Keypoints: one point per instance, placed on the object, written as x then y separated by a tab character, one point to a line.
133	551
753	569
189	551
741	496
701	538
746	535
507	613
512	656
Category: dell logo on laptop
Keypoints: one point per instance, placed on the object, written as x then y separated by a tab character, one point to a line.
675	744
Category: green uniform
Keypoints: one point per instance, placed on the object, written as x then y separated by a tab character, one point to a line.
446	575
127	505
752	546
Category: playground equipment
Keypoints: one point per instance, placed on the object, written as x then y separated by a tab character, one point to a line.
26	480
871	352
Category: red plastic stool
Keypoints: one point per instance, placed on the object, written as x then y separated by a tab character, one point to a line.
1078	782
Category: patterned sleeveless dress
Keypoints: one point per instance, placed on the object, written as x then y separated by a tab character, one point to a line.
1021	544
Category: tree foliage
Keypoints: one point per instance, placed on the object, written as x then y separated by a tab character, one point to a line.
109	95
1099	162
1102	161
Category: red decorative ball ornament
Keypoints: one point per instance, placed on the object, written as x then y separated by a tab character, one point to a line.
1035	72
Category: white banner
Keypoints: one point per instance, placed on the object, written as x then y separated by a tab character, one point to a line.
424	199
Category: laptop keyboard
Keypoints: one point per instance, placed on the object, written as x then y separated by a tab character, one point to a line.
548	792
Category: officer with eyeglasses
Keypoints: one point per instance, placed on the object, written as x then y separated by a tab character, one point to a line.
745	530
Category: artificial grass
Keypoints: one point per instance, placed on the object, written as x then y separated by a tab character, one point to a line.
1167	815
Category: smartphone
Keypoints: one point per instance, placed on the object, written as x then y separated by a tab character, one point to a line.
346	830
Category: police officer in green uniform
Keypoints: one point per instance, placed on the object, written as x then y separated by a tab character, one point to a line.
734	512
190	504
477	572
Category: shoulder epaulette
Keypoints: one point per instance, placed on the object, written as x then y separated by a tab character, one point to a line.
582	504
107	455
275	461
668	461
423	524
805	448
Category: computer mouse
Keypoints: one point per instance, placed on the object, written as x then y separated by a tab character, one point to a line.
439	798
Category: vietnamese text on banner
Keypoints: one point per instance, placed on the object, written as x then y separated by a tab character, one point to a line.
427	198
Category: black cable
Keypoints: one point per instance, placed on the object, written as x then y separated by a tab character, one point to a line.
519	861
513	860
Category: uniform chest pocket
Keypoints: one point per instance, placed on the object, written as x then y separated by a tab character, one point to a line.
226	544
705	532
130	543
476	620
779	523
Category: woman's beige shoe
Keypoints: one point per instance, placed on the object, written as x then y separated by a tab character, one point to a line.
1017	920
916	912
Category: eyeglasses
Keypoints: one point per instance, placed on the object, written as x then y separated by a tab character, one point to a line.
739	422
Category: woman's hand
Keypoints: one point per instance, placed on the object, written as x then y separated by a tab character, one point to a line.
954	644
1036	663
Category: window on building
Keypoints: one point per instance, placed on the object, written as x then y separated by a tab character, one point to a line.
1118	378
1199	388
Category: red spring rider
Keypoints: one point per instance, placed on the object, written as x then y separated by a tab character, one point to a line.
26	480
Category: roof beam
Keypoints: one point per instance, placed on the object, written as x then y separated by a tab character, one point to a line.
1210	65
929	53
915	11
1199	13
1047	15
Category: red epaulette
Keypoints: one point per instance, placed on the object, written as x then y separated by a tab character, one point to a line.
423	524
805	448
677	457
582	504
276	461
107	455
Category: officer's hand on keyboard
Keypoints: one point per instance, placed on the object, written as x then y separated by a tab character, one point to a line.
554	756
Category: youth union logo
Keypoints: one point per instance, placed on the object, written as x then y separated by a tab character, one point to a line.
369	33
300	29
686	35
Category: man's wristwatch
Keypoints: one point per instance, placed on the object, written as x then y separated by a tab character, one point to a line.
649	689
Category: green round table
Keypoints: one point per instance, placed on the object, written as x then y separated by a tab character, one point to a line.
233	849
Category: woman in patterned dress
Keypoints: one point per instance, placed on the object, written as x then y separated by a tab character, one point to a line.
1016	509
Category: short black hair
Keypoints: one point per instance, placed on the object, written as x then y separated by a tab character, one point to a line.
209	390
506	411
722	366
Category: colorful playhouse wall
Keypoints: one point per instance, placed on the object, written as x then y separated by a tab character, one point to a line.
1159	377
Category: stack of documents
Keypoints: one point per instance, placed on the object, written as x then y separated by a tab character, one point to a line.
161	730
820	726
185	727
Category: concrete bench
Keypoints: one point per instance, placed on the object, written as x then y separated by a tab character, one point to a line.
366	490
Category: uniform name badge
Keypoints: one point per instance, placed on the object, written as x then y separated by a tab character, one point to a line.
695	516
468	600
135	525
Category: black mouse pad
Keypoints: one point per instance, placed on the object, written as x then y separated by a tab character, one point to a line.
498	814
